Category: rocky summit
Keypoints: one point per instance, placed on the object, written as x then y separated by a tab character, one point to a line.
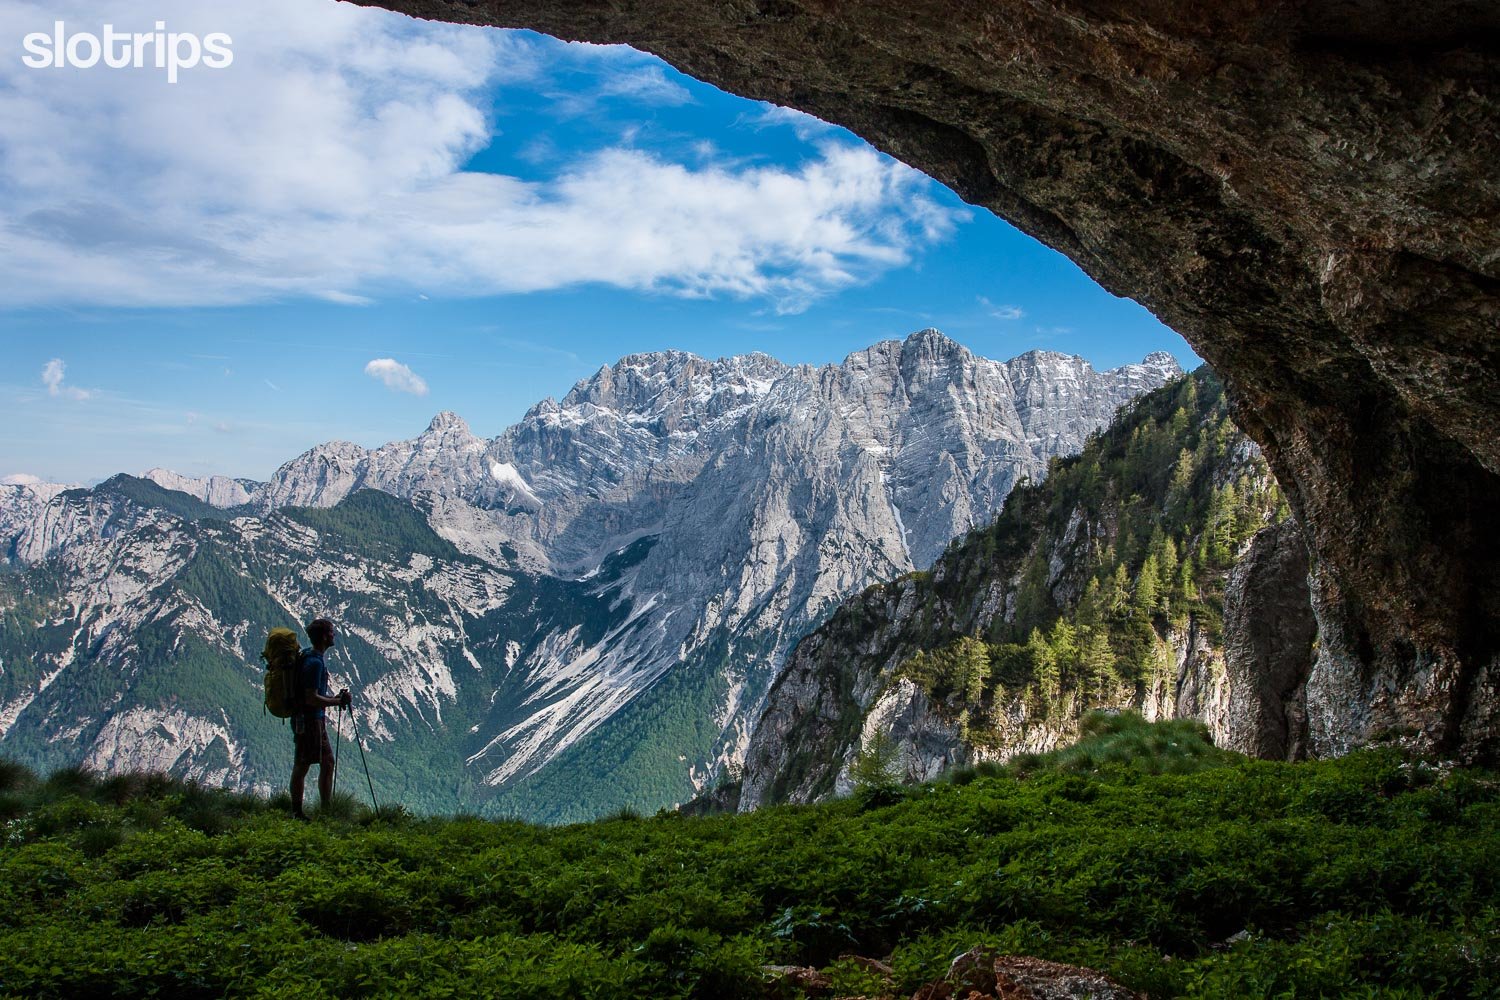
582	613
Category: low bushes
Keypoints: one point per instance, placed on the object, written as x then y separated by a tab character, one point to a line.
1177	868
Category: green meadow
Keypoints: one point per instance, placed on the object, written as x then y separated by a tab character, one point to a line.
1142	851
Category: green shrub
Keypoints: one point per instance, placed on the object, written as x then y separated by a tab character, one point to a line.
1221	877
15	777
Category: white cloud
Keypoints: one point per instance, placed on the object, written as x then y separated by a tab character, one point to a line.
648	85
328	162
52	377
1001	312
396	376
21	479
806	126
345	298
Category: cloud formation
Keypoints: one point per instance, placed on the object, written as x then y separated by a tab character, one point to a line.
328	162
1001	312
396	376
649	85
805	126
52	377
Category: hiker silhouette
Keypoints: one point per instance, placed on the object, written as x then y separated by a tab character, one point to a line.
310	724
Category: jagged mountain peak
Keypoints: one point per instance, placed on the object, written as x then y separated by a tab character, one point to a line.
640	379
448	422
930	338
1039	357
1160	363
677	390
1157	363
541	408
331	450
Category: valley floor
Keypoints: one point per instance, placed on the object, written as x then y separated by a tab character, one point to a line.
1372	874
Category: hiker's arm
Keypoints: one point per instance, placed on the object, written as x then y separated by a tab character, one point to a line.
315	700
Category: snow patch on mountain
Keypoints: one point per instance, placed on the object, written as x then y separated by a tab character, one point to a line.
506	475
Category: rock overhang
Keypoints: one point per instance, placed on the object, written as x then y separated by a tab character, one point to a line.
1305	192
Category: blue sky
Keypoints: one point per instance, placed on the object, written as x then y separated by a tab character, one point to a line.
366	219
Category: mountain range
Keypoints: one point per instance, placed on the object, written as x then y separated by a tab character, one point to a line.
580	614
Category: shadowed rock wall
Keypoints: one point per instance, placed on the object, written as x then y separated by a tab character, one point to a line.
1305	190
1269	637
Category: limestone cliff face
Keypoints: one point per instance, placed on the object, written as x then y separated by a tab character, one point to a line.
20	506
1305	191
1021	603
1270	634
220	491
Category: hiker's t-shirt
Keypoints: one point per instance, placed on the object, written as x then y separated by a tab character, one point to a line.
314	677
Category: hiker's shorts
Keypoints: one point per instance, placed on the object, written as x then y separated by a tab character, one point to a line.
311	739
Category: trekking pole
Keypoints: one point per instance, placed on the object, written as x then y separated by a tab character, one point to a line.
360	743
338	745
354	722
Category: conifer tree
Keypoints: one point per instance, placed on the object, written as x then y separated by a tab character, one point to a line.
1167	577
1097	658
1221	525
1146	586
1090	609
1187	583
876	768
974	668
1182	480
1064	642
1117	590
1044	666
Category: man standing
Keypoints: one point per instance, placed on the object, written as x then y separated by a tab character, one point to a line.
310	726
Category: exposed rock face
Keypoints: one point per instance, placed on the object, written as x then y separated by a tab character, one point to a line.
20	506
162	739
856	677
1269	629
1199	687
1305	191
221	491
930	744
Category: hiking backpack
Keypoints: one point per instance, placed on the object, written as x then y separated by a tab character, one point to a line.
283	656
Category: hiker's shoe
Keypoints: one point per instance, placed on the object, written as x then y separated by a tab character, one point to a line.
301	817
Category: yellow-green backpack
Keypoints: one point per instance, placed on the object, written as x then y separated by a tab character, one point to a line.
283	656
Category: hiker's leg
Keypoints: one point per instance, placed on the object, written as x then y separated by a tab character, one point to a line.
301	761
325	766
299	779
